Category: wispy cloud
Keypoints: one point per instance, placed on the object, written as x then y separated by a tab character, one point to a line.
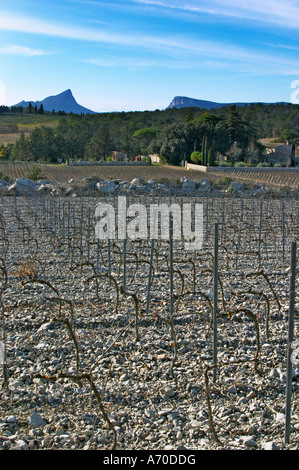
14	49
137	63
127	62
177	49
212	57
48	28
283	13
283	46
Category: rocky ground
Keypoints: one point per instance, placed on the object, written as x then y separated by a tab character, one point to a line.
89	367
94	186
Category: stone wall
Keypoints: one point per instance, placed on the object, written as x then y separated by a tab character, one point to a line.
225	169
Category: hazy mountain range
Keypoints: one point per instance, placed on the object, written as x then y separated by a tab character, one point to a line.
65	101
185	102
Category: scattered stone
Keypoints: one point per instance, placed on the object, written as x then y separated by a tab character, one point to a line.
275	372
42	182
153	402
11	419
251	443
21	445
164	412
137	181
195	424
237	186
149	414
280	418
269	446
106	187
188	185
36	420
169	392
204	185
22	185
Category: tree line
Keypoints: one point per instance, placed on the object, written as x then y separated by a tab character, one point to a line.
190	134
30	109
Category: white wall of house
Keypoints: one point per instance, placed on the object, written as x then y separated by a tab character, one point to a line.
155	158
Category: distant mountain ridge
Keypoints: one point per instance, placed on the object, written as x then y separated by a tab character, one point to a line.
64	101
185	102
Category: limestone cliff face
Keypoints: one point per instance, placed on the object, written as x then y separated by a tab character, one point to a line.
185	102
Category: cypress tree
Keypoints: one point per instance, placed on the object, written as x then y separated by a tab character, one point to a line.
204	150
211	156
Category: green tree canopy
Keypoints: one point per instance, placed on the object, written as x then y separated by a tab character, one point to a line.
100	144
145	135
196	157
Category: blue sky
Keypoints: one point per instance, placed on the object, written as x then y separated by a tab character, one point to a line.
129	55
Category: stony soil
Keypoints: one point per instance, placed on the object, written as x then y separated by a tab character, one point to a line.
84	371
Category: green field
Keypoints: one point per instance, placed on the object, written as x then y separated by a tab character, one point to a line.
25	123
29	120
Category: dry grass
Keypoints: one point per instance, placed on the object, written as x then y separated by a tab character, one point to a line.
25	270
9	138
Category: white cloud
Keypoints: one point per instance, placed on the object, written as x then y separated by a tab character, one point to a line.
143	63
14	49
283	46
48	28
283	13
179	50
126	62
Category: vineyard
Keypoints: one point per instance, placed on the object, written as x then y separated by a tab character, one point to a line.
61	173
272	179
142	344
